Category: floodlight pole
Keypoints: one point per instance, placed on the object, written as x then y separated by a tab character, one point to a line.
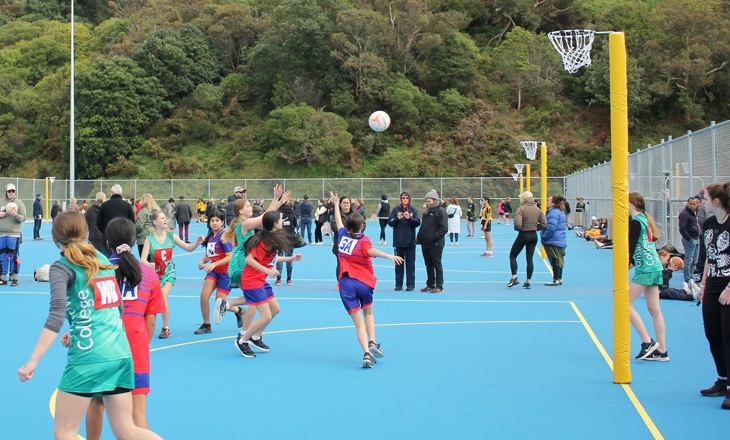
72	134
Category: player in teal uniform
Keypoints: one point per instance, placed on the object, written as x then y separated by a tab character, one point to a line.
83	284
157	254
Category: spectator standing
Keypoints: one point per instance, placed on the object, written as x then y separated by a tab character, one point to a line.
95	236
580	207
320	218
507	206
528	220
183	216
115	207
37	217
715	287
56	209
12	216
200	207
72	206
471	213
383	214
361	209
306	210
689	229
170	211
553	238
404	220
144	224
434	226
221	207
453	211
239	192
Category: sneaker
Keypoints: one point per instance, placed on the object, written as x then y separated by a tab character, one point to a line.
685	287
410	289
277	283
719	388
482	237
243	348
375	349
239	316
14	282
259	344
657	356
385	242
457	243
513	282
204	328
647	348
3	282
437	290
426	289
553	283
489	254
221	306
368	361
165	333
694	289
726	402
526	285
397	288
289	283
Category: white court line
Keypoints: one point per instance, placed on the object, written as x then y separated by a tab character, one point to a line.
460	301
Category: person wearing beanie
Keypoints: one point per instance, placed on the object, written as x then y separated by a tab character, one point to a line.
434	226
383	214
404	220
37	217
528	220
12	216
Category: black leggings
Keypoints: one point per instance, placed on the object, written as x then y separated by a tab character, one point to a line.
318	233
716	320
383	223
527	240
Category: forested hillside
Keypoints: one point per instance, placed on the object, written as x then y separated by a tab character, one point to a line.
256	88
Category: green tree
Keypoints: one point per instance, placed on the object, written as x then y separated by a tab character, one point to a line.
452	64
302	134
116	102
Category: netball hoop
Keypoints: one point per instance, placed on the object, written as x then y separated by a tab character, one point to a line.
574	47
530	148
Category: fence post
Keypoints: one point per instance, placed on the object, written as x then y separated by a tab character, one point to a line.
713	155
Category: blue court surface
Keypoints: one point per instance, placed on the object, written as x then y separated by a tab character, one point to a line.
479	361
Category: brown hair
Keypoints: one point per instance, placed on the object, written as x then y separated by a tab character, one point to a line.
69	230
637	200
720	191
558	201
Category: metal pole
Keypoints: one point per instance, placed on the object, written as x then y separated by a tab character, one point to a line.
713	155
72	158
689	162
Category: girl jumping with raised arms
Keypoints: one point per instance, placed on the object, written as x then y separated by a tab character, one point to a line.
157	254
357	280
261	260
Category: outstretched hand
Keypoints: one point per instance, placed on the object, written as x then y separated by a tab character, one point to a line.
334	198
278	191
286	197
396	259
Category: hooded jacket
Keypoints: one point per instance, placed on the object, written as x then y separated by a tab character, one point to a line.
11	225
528	217
404	230
434	226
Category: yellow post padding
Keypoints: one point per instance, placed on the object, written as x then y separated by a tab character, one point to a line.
527	173
48	211
543	187
620	212
522	186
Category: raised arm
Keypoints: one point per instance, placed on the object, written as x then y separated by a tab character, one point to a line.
335	200
188	246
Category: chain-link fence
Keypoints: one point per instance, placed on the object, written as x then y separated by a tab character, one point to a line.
666	174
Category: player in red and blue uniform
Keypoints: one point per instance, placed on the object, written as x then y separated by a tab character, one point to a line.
261	259
215	264
357	280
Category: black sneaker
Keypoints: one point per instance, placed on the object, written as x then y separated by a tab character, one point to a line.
243	348
375	349
726	402
647	348
513	282
3	282
657	356
719	388
259	344
368	361
239	316
398	288
221	306
410	289
526	285
204	328
14	282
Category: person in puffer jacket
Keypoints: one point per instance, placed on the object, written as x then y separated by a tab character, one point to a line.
553	238
528	220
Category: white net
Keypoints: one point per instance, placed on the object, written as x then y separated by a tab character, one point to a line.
515	176
574	46
519	167
530	148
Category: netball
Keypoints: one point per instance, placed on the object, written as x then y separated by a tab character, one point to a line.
677	263
12	206
379	121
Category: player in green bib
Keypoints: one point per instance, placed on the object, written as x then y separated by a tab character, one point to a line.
157	254
239	231
99	363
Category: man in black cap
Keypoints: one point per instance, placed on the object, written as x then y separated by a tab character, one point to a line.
183	215
37	217
239	192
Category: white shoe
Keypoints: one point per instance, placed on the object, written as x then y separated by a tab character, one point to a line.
694	289
685	287
482	237
385	242
457	243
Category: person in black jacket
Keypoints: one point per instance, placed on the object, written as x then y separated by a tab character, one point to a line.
115	207
434	226
289	224
95	236
689	229
404	220
239	192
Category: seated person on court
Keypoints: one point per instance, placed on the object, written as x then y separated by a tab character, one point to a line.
670	264
599	230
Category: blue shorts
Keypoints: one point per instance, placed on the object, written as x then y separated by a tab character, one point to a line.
355	295
222	281
258	296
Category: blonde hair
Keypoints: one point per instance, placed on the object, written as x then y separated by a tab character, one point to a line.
69	230
637	200
230	235
149	202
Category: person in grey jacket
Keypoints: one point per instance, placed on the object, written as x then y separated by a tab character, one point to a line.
183	216
12	216
528	220
434	226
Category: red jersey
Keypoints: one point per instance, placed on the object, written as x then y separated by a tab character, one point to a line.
254	278
354	259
